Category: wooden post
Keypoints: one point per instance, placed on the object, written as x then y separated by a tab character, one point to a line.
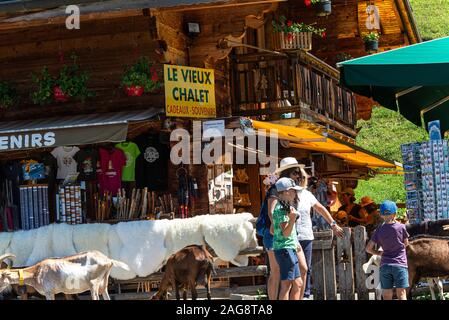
360	259
318	275
345	268
330	274
323	267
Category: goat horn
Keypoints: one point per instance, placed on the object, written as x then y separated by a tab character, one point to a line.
6	256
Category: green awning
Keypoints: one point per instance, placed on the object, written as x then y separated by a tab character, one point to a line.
414	78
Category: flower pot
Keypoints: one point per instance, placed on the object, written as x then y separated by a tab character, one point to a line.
323	8
59	95
293	41
371	45
134	91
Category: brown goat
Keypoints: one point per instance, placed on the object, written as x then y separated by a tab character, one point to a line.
184	270
427	257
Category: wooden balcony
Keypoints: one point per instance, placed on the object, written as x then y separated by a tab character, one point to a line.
272	86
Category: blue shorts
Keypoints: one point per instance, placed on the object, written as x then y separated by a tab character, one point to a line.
392	276
268	239
287	260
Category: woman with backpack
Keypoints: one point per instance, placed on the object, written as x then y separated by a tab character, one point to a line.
290	168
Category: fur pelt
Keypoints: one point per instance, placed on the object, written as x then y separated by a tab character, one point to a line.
228	235
143	248
42	245
184	232
22	244
62	240
143	245
91	237
5	240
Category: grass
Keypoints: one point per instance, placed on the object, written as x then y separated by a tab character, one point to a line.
432	18
383	134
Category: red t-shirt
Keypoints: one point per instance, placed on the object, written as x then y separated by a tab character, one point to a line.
111	162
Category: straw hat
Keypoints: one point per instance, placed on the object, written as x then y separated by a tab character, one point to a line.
288	163
365	201
341	215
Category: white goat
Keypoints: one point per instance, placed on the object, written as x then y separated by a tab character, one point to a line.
69	275
432	282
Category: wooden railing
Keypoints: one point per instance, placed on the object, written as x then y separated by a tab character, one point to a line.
269	85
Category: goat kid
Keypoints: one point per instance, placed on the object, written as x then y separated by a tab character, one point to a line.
69	275
186	269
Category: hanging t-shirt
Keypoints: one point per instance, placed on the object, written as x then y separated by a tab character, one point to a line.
66	164
131	151
152	164
112	162
87	164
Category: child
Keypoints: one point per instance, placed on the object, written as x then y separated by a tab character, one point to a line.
285	243
392	236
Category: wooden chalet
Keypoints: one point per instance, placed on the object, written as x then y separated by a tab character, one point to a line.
295	91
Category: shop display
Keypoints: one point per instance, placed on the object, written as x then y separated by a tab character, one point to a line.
66	163
426	180
69	206
86	160
152	163
131	151
34	206
112	161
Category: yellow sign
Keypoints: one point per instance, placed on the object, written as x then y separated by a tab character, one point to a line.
189	92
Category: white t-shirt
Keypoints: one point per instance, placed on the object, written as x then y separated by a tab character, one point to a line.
304	224
65	161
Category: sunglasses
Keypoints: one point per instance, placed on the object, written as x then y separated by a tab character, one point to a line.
296	173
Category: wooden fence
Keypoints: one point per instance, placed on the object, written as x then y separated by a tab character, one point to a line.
337	265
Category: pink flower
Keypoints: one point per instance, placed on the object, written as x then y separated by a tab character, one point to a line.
289	23
307	3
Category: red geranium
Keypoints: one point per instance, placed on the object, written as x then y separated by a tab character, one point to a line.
289	23
308	3
323	34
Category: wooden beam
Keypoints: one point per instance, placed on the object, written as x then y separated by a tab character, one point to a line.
234	4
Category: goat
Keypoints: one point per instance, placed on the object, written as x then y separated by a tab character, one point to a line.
69	275
184	270
427	256
435	228
432	282
29	291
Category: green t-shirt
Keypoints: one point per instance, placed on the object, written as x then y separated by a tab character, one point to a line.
280	242
131	151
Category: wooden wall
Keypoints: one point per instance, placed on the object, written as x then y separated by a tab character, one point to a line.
104	47
345	28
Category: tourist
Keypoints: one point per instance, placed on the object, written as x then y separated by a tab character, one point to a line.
290	168
351	208
370	213
268	204
285	241
392	236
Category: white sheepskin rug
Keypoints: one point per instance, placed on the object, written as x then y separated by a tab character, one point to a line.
143	245
62	240
22	244
42	245
115	247
93	236
229	234
184	232
5	240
